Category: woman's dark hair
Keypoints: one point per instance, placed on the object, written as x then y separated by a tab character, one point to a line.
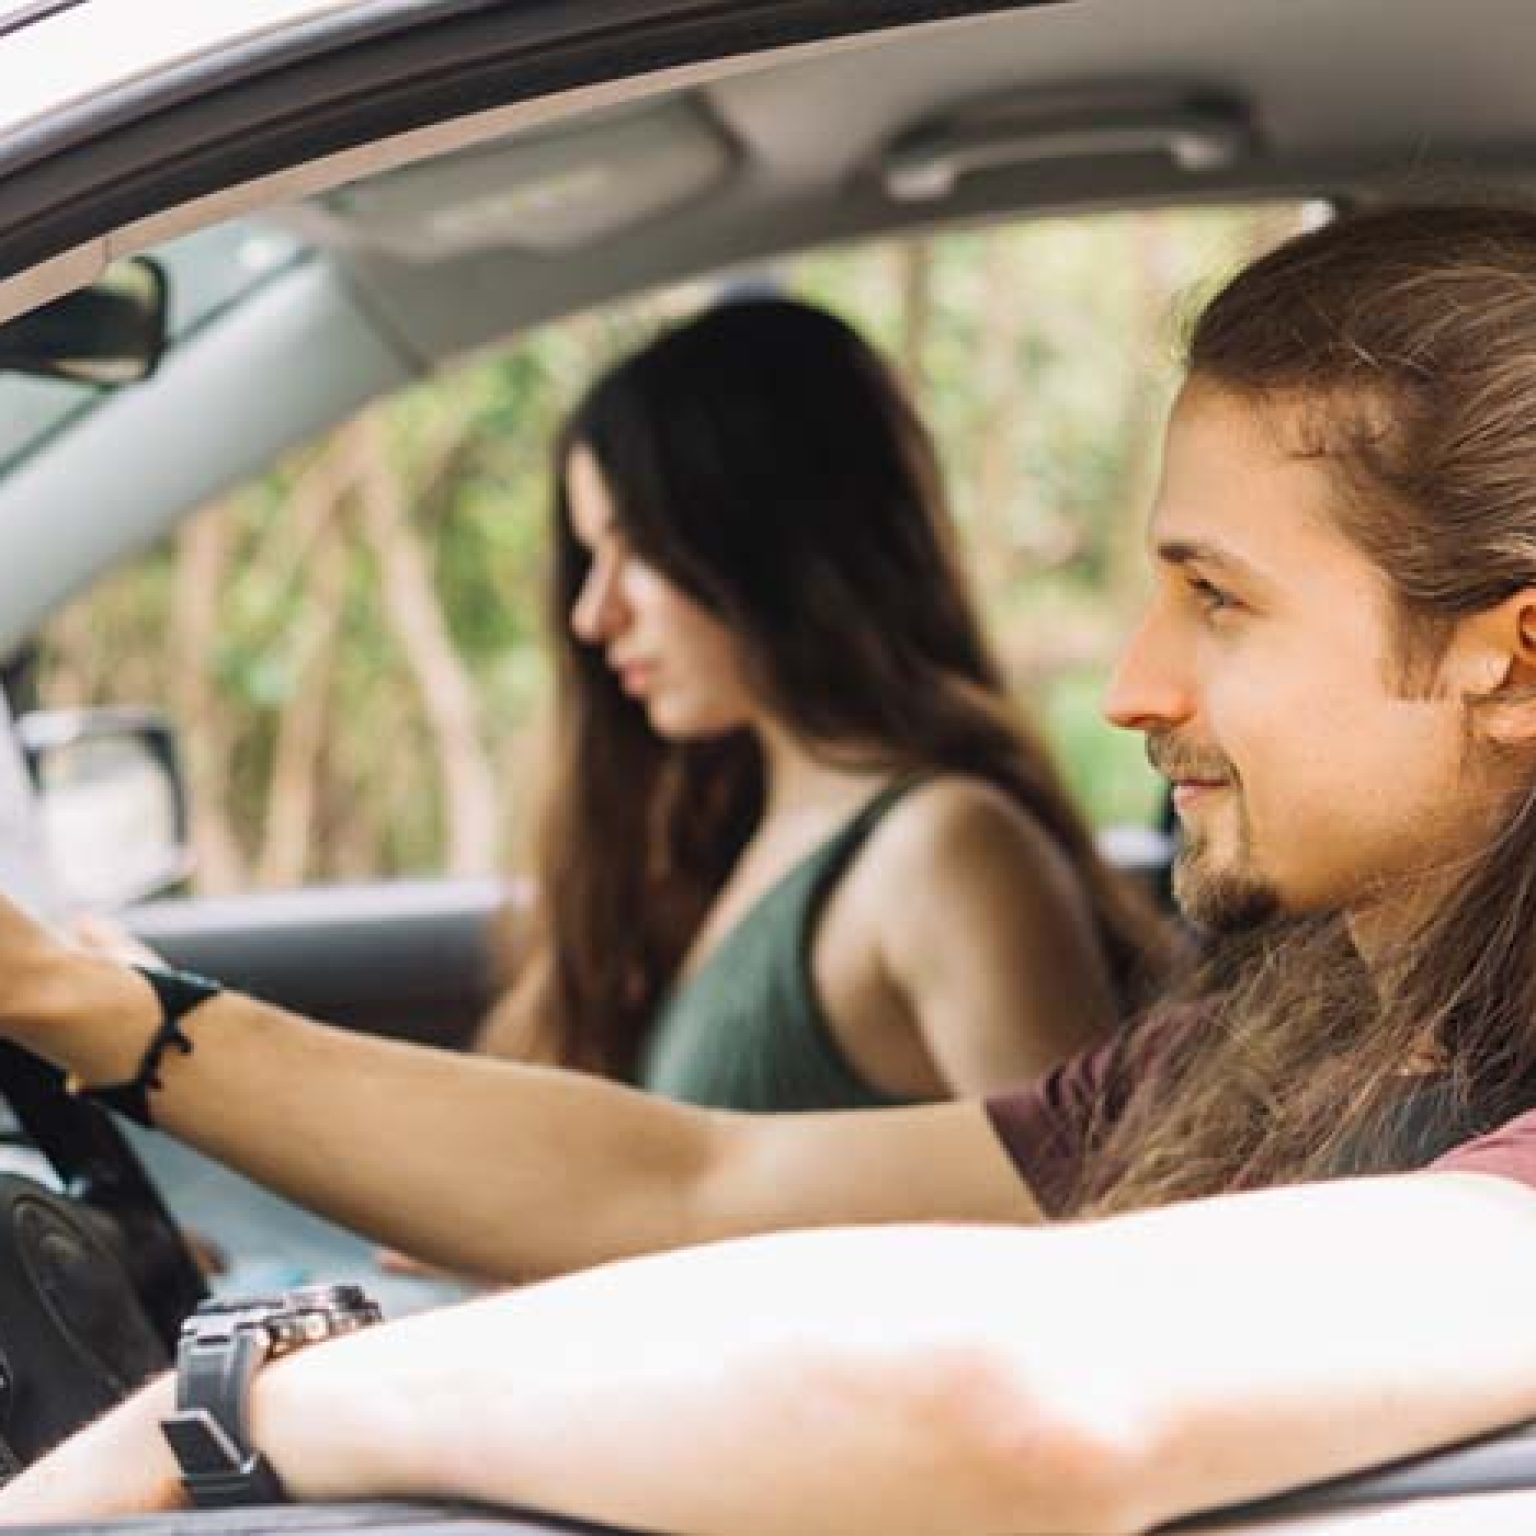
763	458
1398	349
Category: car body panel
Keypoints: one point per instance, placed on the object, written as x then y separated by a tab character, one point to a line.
1488	1514
71	56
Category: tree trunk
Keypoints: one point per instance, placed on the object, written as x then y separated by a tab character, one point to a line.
1155	267
68	677
315	526
447	693
203	551
914	279
997	488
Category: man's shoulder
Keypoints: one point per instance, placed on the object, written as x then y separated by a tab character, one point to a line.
1508	1151
1049	1126
1143	1048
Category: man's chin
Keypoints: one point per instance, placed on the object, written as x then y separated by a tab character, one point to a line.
1221	900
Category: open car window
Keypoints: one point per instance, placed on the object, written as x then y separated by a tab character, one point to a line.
1040	351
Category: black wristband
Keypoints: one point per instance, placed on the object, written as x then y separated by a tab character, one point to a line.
179	992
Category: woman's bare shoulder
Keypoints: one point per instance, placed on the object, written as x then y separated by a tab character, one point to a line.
964	837
985	925
956	816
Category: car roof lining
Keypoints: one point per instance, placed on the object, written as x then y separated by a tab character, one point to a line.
289	187
1308	102
814	129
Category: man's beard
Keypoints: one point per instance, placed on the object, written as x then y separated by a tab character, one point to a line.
1235	899
1228	900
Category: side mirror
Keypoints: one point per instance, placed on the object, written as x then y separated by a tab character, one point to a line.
111	800
112	332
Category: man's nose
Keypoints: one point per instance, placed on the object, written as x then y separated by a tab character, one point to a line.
599	608
1150	687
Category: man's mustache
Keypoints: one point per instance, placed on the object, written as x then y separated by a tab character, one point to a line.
1180	760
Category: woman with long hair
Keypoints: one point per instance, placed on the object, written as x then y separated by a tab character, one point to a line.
801	851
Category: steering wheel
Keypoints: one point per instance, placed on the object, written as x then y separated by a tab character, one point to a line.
101	1171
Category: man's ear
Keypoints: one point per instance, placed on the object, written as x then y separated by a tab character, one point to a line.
1496	663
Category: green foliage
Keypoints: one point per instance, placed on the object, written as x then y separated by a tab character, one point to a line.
1042	355
1107	768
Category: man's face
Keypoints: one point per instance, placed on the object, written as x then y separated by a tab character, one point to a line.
1305	775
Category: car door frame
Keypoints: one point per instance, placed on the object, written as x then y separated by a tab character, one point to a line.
105	168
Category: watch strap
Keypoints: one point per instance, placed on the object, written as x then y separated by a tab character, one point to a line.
222	1346
208	1432
213	1471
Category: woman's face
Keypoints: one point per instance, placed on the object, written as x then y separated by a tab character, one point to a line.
668	651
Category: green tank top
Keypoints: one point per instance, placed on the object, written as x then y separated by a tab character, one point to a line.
746	1031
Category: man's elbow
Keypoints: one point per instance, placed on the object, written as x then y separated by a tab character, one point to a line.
1032	1455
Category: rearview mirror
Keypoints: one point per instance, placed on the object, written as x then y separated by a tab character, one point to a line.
112	332
111	801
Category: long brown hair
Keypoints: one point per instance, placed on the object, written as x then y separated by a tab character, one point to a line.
1404	343
762	457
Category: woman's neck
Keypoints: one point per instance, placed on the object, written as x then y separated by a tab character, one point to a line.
800	781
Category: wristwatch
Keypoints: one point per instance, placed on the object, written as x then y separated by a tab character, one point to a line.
222	1346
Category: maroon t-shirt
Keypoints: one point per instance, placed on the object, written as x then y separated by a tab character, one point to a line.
1050	1127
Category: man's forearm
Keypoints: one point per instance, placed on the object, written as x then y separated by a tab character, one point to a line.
749	1387
917	1380
773	1385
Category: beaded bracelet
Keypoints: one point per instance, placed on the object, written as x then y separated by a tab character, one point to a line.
179	992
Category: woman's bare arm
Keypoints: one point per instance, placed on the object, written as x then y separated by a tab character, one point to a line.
989	938
483	1165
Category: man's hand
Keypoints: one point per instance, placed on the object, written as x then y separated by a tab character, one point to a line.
31	957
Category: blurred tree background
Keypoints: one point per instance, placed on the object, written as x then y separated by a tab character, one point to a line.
352	644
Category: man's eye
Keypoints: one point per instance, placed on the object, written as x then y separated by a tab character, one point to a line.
1209	596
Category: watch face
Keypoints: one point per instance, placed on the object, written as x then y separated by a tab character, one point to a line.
328	1298
306	1315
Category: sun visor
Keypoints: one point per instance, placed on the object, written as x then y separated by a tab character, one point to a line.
542	194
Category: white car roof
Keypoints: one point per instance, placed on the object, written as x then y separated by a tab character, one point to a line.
69	54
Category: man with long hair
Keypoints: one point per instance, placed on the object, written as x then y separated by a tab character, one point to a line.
1305	1188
